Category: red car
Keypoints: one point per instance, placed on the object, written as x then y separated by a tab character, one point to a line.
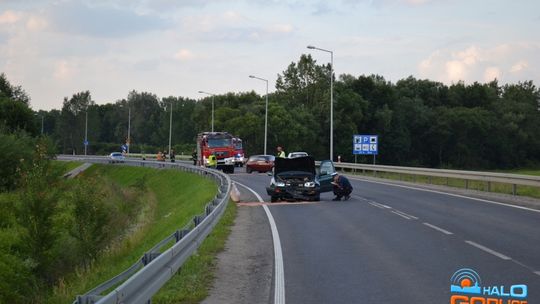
260	163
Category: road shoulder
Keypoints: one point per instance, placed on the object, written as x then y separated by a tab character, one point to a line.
244	268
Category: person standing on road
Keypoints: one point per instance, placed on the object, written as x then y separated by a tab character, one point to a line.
212	161
280	152
194	157
342	187
172	156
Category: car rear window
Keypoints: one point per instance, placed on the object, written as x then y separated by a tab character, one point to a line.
261	158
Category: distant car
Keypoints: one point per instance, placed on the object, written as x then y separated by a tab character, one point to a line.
116	157
297	154
260	163
297	179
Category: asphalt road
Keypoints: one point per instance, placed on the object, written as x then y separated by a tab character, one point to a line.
392	244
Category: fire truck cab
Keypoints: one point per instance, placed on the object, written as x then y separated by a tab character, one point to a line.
239	158
221	145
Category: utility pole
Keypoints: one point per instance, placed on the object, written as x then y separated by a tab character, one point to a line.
85	133
129	130
170	130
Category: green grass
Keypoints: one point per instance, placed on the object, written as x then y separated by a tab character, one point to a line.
462	183
66	166
191	283
174	197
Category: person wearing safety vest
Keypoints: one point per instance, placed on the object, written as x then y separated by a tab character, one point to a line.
212	161
280	152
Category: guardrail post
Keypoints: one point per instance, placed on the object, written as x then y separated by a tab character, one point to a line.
466	184
447	183
514	189
429	180
489	186
149	257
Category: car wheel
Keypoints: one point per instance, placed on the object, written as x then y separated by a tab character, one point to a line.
316	198
248	170
273	199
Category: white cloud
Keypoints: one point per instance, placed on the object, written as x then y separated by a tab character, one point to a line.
35	23
416	2
183	54
456	70
475	63
10	17
63	70
519	66
281	28
492	73
469	56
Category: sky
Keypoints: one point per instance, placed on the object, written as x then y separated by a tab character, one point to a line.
56	48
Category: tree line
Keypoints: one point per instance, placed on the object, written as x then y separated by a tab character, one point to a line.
419	122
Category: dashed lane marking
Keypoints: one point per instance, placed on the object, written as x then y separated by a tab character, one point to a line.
449	194
488	250
403	216
438	229
406	214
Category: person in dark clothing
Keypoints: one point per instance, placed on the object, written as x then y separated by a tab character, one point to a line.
342	187
194	157
172	156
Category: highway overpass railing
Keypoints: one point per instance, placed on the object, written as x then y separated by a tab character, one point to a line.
485	177
145	277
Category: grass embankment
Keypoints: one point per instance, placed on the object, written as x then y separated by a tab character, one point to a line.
462	183
173	197
66	166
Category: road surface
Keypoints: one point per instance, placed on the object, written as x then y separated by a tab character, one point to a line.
394	244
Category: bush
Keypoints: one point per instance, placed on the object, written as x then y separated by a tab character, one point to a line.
16	278
35	212
15	154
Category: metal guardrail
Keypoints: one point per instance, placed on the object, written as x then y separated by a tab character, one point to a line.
488	177
144	278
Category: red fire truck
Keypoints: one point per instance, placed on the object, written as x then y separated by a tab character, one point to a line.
221	145
239	159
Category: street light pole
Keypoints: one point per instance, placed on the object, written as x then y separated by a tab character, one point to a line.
213	95
331	98
42	125
265	113
129	130
170	130
85	133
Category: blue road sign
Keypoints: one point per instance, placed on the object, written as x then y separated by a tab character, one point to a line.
366	144
124	148
86	142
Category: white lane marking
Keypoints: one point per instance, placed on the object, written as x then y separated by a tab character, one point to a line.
403	216
376	205
438	228
491	251
449	194
279	282
406	214
279	278
385	206
537	272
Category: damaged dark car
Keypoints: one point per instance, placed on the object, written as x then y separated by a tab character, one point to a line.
297	179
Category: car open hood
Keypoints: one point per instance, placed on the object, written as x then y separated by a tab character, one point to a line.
303	164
